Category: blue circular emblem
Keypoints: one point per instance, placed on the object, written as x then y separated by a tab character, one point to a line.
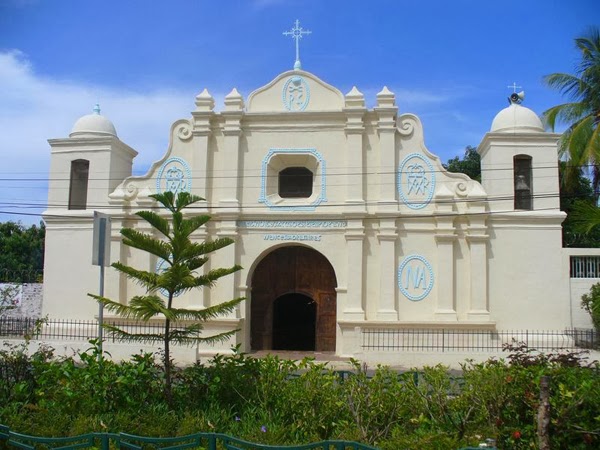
295	94
416	181
415	277
174	176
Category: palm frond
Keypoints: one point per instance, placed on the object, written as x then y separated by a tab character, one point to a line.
567	84
218	338
145	307
176	203
188	226
139	308
150	280
212	312
209	278
158	222
585	217
196	263
141	338
204	248
579	139
166	199
565	113
145	242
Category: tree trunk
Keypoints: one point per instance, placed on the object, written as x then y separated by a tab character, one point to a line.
543	416
168	393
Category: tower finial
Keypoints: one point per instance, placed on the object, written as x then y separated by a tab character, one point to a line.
97	108
516	98
296	33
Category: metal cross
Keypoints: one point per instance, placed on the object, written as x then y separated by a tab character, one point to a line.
514	87
296	33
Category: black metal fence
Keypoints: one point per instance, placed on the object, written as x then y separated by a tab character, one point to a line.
453	340
70	330
372	339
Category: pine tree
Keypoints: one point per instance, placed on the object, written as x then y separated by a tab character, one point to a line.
182	259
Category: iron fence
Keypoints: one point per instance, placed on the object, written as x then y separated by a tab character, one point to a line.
453	340
372	339
71	330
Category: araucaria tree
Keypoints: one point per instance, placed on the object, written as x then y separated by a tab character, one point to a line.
180	272
580	143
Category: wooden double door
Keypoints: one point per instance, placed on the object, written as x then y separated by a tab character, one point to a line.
293	301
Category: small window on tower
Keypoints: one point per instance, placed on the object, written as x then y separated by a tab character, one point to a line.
522	182
295	182
78	186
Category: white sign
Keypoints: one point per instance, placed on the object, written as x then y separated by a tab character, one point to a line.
101	245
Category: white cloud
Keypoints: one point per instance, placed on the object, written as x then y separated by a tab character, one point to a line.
34	108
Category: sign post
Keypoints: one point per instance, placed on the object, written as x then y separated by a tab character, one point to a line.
101	257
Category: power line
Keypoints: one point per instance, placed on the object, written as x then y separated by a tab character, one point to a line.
331	172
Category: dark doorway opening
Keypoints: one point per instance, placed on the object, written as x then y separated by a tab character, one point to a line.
294	322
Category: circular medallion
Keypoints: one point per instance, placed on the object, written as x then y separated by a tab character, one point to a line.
295	94
416	181
174	176
415	277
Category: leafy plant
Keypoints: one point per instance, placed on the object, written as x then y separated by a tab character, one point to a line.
591	303
181	258
580	143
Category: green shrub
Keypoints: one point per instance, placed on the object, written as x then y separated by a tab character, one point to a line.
275	401
591	303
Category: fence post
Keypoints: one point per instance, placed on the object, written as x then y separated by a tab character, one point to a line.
212	441
543	416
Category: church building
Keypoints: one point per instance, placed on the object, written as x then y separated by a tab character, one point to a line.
341	219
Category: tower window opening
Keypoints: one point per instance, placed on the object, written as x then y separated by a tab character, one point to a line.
78	185
523	182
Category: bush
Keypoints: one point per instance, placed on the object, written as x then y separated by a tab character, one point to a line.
276	401
591	303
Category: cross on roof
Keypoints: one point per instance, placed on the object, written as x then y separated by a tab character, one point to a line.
296	33
514	87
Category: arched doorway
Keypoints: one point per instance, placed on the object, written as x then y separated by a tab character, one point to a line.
293	302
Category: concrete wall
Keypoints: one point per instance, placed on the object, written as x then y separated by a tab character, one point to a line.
579	286
31	301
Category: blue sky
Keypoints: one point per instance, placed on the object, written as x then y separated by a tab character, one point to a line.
449	62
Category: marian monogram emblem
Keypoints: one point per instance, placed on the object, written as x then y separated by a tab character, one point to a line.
175	180
174	176
416	181
415	277
295	94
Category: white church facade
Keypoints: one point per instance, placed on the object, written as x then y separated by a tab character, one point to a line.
341	219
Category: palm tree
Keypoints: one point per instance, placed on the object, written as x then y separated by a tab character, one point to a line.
580	143
181	259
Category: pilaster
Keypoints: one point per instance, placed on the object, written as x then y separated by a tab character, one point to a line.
445	308
201	131
386	110
355	235
355	111
226	288
478	239
387	236
229	181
